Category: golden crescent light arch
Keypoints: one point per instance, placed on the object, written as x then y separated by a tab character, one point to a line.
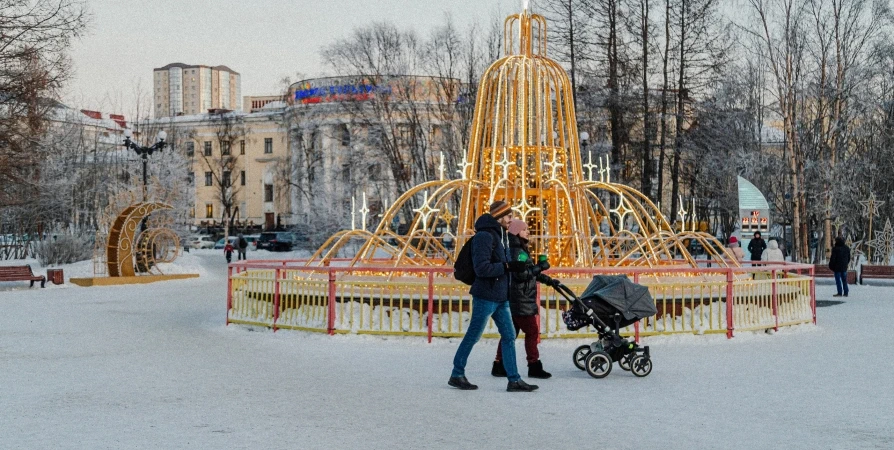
121	244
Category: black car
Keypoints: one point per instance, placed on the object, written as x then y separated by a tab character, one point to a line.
279	241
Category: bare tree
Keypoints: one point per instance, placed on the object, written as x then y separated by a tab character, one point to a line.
223	164
34	45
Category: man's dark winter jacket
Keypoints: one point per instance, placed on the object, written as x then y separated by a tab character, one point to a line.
523	288
841	257
757	247
489	260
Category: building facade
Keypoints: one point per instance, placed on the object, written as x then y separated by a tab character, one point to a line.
304	161
183	89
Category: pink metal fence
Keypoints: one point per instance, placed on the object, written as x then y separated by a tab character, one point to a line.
427	301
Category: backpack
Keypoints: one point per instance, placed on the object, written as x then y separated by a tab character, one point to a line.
463	270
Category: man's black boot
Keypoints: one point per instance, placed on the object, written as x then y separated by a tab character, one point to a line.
521	386
462	383
498	370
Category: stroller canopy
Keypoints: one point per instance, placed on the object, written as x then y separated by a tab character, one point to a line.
632	300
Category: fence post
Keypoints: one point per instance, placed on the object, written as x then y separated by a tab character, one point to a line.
813	291
275	297
636	324
729	303
775	300
229	292
431	302
331	325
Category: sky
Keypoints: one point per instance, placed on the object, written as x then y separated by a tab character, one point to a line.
263	40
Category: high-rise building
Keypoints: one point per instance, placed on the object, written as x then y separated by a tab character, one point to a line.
184	89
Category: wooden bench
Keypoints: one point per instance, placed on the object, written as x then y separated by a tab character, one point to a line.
879	272
21	273
823	271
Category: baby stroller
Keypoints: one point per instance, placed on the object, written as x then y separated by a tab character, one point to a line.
615	300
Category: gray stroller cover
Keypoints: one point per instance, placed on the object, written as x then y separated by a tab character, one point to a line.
632	300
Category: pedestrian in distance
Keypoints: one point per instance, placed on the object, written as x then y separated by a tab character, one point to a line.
242	244
772	253
838	262
736	249
523	301
228	252
490	297
757	246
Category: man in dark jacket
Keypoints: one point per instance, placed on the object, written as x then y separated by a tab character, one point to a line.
242	245
757	246
490	295
838	262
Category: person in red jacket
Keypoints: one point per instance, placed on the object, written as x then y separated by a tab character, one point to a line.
228	251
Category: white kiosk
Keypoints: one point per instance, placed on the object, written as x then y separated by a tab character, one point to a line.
754	213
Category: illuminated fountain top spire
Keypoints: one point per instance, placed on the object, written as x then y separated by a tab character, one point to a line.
524	149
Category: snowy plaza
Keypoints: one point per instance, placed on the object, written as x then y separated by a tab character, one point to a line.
154	366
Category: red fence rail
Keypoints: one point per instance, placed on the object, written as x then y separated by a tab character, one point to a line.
427	301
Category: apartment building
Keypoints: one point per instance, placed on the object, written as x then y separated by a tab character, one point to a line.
183	89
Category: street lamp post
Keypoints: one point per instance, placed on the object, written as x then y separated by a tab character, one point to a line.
584	141
144	153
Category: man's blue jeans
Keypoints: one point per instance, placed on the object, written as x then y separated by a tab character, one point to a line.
841	279
481	311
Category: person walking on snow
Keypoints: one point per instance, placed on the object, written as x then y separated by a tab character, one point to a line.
736	249
772	253
228	251
523	302
242	244
490	297
838	262
757	246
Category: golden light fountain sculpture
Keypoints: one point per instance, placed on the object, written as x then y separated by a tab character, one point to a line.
524	149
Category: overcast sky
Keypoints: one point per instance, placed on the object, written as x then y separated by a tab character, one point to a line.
263	40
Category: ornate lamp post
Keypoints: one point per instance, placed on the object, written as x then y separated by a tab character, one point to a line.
144	153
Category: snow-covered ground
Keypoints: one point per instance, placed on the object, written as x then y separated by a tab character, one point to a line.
153	366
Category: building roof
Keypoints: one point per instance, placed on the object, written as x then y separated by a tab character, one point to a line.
750	197
195	66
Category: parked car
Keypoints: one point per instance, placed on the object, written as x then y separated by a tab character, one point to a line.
277	241
219	245
251	238
252	241
203	241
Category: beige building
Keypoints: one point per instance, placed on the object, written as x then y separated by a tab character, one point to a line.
302	162
234	160
180	89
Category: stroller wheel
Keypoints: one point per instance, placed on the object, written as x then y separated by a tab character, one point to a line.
624	362
580	356
641	365
599	364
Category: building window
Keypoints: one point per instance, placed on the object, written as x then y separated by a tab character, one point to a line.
190	149
268	145
268	192
209	211
242	178
209	180
207	148
242	147
344	135
190	178
224	148
226	179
